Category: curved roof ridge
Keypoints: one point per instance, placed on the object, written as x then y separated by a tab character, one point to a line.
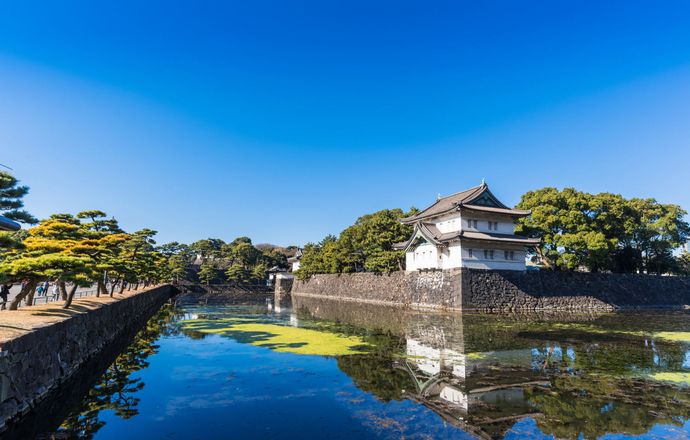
486	190
464	191
447	203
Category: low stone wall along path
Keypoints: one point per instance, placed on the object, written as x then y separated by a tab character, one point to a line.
42	346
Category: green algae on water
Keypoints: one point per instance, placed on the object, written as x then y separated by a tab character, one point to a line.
588	328
673	336
681	378
279	337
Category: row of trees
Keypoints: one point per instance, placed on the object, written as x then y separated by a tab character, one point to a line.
238	261
80	250
605	232
90	248
74	251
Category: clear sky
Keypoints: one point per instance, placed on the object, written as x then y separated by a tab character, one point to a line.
286	120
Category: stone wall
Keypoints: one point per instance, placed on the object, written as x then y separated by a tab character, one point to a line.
283	285
543	290
35	363
437	289
483	290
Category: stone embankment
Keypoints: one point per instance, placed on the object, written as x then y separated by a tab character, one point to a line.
495	291
43	346
545	290
438	289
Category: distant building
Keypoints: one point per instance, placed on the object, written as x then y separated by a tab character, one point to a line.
273	272
471	229
294	261
8	225
198	260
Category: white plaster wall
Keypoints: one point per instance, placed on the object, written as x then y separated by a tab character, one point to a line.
295	265
506	224
427	256
443	257
409	261
451	223
457	221
477	261
454	258
433	360
506	227
424	256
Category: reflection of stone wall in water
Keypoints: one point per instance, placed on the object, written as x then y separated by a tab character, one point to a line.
382	318
222	293
472	289
473	332
33	364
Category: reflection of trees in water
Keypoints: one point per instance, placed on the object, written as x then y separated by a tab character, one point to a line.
376	375
573	401
375	372
618	355
596	391
592	406
116	390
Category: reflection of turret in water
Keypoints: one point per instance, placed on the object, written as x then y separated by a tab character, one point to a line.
467	389
576	376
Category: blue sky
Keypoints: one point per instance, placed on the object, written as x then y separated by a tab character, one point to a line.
286	120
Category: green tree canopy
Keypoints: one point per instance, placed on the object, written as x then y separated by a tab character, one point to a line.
209	272
237	273
11	195
366	245
603	231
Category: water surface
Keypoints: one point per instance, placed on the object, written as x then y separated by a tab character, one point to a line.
322	369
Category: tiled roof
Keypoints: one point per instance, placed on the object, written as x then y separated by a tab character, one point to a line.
506	238
508	211
431	233
445	204
465	199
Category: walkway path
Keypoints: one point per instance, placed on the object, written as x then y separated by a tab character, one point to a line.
16	288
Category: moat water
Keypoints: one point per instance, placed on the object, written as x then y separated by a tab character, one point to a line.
319	369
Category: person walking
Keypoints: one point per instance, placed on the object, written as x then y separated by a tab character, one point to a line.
56	291
46	285
4	293
39	290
